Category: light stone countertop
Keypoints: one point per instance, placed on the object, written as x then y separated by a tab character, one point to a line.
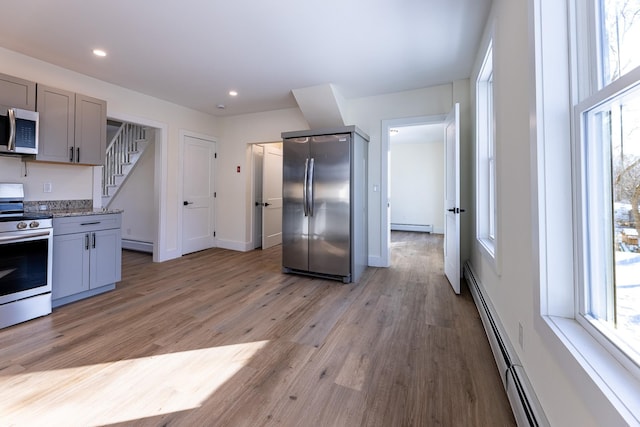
62	213
66	208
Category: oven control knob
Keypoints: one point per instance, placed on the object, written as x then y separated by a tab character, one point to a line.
34	224
22	225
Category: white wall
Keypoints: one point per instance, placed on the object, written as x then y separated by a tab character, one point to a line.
368	113
511	288
67	182
234	202
417	184
76	181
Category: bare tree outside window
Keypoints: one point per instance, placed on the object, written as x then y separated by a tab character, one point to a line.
620	36
625	152
620	39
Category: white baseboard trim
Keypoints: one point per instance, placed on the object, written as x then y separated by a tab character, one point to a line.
166	255
234	245
136	245
375	261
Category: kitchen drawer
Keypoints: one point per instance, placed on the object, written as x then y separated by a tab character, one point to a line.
85	223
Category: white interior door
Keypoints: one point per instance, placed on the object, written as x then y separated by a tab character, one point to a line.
272	196
452	198
198	194
257	155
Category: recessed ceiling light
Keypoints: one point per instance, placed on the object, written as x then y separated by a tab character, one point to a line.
233	93
220	106
99	52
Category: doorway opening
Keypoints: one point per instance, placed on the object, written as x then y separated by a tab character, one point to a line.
265	195
142	221
417	178
413	178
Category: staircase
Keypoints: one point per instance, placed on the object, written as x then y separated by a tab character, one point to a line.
123	152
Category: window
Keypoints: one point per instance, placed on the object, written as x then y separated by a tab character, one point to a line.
485	157
608	193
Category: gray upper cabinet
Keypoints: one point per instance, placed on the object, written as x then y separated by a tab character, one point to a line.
17	93
91	130
72	127
57	124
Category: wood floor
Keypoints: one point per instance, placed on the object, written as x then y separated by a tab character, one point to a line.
223	338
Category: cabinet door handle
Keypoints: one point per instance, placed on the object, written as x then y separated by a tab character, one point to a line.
86	242
71	154
93	245
78	155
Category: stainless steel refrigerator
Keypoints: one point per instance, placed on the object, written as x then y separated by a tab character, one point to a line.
324	200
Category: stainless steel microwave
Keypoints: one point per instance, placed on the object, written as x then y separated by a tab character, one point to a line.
19	131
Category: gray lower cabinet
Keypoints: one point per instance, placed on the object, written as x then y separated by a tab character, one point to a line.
73	127
87	256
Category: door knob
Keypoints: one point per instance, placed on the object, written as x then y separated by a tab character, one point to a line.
185	203
452	210
266	204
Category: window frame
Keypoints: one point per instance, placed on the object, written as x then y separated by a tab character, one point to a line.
486	163
602	332
558	82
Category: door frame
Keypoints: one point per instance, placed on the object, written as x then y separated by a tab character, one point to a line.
252	192
184	134
384	260
256	219
269	214
160	251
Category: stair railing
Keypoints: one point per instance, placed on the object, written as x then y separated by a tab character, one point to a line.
124	142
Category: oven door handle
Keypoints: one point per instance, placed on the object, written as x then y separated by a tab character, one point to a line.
23	236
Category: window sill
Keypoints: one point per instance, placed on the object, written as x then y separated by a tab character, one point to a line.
612	381
488	249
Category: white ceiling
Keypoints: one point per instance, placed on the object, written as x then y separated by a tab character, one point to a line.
192	52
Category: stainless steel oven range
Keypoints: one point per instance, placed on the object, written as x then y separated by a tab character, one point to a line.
26	240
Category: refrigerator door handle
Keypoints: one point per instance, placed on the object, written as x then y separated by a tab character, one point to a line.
304	187
310	187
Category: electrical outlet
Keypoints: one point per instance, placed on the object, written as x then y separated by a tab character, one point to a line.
520	336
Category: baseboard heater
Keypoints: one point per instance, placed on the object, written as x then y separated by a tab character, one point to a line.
524	403
428	228
136	245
